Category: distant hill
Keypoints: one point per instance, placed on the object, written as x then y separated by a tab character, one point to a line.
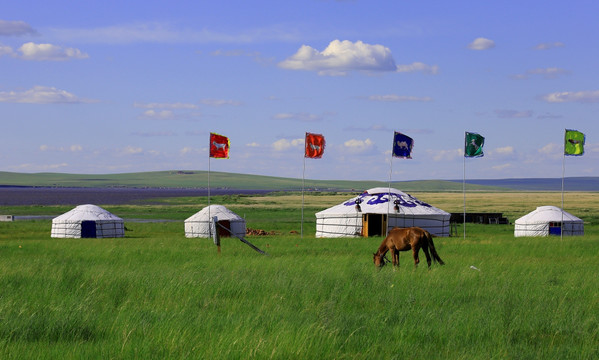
542	184
222	180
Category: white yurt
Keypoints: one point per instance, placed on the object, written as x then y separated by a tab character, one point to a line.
377	210
87	221
198	225
548	220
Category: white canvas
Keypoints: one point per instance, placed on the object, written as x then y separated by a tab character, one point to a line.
198	225
68	225
537	222
344	220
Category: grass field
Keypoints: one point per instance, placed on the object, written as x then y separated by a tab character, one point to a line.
155	294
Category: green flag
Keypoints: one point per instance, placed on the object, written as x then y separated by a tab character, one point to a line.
574	143
473	146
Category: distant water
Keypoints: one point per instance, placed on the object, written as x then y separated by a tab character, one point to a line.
22	195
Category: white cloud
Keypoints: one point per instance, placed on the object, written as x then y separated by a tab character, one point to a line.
446	155
6	50
131	150
284	144
72	148
505	151
568	96
160	115
481	44
15	28
41	95
550	45
355	146
220	102
304	117
418	67
398	98
253	144
339	57
49	52
552	150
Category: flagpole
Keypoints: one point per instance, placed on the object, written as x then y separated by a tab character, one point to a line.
464	192
209	217
303	186
389	191
563	175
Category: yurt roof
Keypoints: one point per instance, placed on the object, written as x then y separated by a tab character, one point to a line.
544	214
221	212
87	212
376	201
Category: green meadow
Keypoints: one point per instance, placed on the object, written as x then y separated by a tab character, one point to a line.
155	294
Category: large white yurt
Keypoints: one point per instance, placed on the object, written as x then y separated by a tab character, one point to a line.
377	210
198	225
548	220
87	221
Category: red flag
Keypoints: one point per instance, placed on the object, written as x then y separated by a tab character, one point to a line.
314	146
219	146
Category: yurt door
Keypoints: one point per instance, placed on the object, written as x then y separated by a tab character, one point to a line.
374	224
88	229
222	232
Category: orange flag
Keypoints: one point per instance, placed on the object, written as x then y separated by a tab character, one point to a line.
219	146
314	146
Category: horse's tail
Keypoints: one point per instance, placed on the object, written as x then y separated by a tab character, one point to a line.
433	250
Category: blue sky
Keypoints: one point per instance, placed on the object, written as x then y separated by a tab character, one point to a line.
127	86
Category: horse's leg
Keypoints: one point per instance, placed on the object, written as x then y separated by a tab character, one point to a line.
415	250
428	256
394	259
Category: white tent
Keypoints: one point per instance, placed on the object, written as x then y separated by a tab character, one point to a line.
547	220
371	214
198	225
87	221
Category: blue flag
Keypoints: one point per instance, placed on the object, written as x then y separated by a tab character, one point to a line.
402	146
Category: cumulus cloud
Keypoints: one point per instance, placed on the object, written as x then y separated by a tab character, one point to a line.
569	96
355	146
513	114
131	150
549	45
49	52
418	67
398	98
284	144
340	57
41	95
481	44
15	28
506	150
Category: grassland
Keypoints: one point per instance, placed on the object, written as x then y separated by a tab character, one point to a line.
155	294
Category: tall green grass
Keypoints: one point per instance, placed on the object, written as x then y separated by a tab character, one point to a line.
155	294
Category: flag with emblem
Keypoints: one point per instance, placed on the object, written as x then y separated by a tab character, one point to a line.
473	145
574	143
219	146
402	145
314	146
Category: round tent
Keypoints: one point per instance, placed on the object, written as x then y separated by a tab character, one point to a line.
377	210
198	225
87	221
548	220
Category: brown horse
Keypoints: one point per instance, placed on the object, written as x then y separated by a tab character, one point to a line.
404	239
